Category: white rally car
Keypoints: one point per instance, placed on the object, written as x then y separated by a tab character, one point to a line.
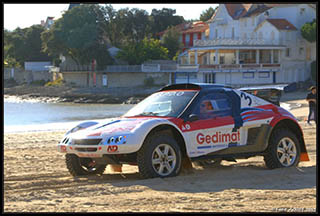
199	122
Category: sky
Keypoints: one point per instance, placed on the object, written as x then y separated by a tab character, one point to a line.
26	15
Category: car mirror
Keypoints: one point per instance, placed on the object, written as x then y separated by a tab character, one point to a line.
193	117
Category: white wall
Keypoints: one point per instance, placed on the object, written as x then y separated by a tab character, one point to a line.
222	13
245	26
236	78
266	28
292	14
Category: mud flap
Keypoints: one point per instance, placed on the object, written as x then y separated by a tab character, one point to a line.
304	156
186	165
116	167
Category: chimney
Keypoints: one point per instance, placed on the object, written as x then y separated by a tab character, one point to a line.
42	22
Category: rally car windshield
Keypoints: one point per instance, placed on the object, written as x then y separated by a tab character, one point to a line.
166	103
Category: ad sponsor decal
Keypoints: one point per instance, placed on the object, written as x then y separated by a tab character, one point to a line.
250	114
186	127
217	140
112	148
218	137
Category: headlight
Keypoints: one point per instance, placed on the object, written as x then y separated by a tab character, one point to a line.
116	140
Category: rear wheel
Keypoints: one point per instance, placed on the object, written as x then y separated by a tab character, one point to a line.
78	166
160	156
283	150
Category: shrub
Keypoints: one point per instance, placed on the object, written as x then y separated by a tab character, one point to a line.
57	82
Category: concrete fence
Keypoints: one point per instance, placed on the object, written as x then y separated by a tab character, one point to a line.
21	76
112	79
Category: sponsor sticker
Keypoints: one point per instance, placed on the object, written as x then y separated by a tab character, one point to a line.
218	137
112	148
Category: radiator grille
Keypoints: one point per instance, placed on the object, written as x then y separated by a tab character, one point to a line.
86	149
87	141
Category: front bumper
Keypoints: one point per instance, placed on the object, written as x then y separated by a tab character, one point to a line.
97	146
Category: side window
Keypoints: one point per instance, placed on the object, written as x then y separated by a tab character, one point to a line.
213	105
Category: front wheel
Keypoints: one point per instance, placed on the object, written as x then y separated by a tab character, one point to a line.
78	166
283	150
159	156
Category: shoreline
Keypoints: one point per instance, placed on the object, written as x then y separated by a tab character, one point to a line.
67	94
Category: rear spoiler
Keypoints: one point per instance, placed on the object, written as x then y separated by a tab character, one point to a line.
271	93
281	87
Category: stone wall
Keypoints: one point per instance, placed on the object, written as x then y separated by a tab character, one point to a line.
21	76
113	79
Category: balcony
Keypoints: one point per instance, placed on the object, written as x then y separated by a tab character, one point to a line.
238	66
236	42
188	68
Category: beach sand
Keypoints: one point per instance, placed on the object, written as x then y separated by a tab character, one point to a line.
36	180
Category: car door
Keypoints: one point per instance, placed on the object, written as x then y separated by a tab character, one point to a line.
213	128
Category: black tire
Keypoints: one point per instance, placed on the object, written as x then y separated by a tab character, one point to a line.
274	150
148	153
81	166
208	163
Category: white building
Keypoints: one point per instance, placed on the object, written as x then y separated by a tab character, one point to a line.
252	44
48	23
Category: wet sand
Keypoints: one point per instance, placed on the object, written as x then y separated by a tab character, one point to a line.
36	180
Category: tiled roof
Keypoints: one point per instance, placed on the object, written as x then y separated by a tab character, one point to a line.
197	28
179	28
313	6
257	9
237	10
280	5
189	28
282	24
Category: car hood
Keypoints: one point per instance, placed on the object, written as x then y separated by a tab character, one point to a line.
117	126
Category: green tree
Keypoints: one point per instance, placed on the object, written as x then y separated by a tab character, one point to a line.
33	44
134	24
80	34
23	45
207	14
309	31
147	49
8	60
131	26
126	26
164	18
171	42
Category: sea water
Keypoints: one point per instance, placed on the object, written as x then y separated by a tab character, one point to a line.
32	115
26	116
